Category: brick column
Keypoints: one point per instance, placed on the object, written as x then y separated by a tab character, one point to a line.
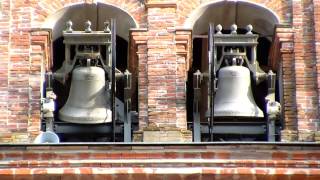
5	18
305	69
138	67
183	41
22	55
19	91
40	62
165	77
316	12
282	56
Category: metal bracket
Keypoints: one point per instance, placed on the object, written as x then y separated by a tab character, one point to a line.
273	108
127	105
197	77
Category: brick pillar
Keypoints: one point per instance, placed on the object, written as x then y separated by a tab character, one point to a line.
19	91
22	55
5	135
316	19
165	91
282	55
40	62
305	69
138	67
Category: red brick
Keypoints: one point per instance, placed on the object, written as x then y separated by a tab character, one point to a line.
155	155
69	171
222	155
23	171
279	155
30	156
207	177
70	177
298	176
6	172
85	170
46	177
23	177
47	156
173	177
39	171
192	155
102	177
314	156
299	156
121	177
139	176
207	155
83	155
191	177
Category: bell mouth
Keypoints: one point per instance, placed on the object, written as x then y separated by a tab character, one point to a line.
247	109
85	116
239	118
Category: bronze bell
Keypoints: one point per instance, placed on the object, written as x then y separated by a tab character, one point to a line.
87	102
234	96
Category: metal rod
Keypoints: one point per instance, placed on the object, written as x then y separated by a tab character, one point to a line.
127	104
113	86
196	113
212	72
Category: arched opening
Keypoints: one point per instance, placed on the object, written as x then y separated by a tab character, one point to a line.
97	14
227	13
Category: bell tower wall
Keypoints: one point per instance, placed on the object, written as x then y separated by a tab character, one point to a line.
160	55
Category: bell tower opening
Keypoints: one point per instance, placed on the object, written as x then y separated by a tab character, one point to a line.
97	14
225	14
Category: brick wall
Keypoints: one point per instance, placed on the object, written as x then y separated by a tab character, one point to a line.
161	162
160	56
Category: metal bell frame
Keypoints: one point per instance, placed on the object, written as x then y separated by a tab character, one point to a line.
99	39
222	41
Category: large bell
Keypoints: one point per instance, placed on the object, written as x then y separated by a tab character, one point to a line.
234	96
87	101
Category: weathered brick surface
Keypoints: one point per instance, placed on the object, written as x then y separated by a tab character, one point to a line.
305	70
161	162
160	56
316	13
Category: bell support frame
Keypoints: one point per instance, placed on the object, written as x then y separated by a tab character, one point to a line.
105	41
219	41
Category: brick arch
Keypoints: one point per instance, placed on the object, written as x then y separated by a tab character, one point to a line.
244	12
187	8
45	8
